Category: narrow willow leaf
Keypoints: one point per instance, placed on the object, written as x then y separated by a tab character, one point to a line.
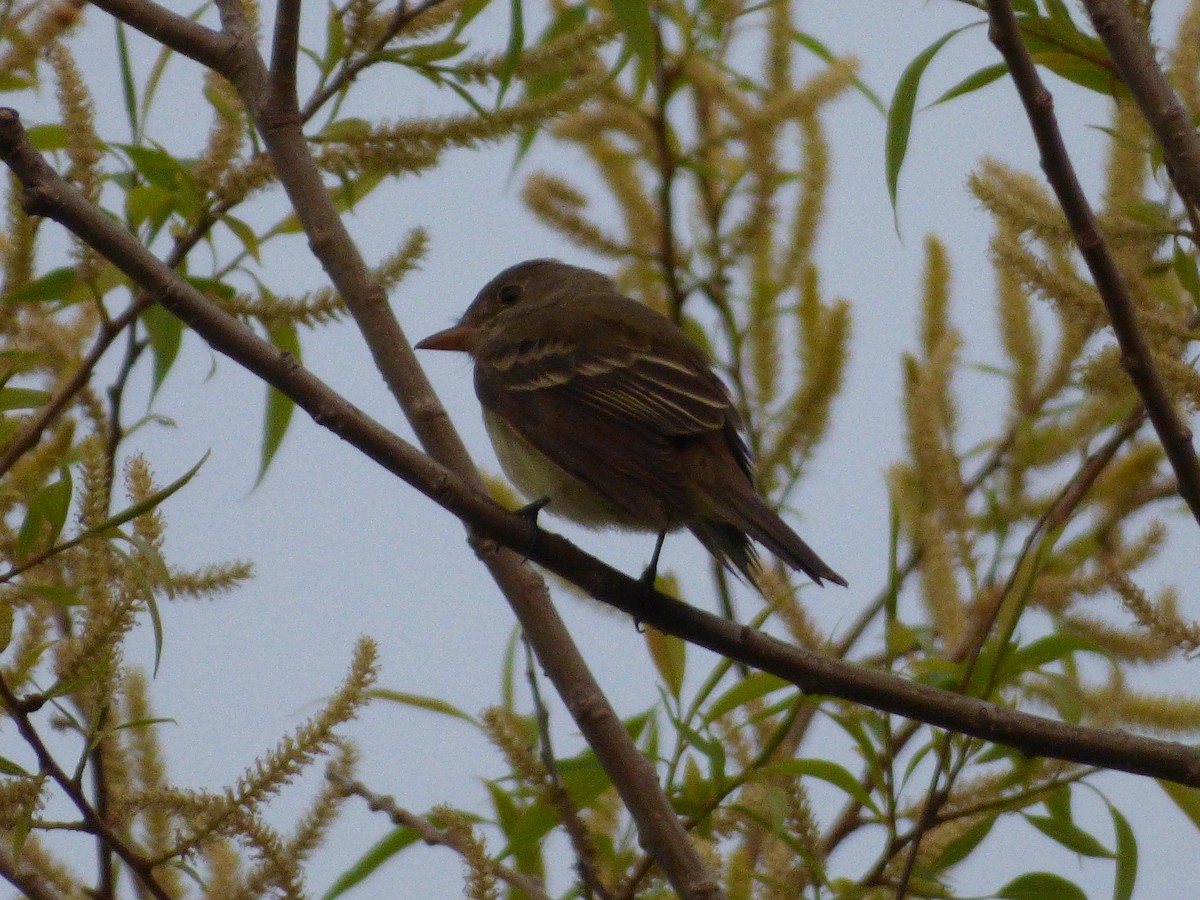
973	82
1041	886
1184	265
165	333
244	233
151	556
22	398
432	704
469	10
818	49
280	406
54	285
900	113
634	18
1186	798
44	517
383	850
48	138
335	39
669	654
512	52
1127	856
1070	836
827	771
963	845
753	686
128	85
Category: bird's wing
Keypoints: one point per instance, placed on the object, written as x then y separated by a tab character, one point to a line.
613	419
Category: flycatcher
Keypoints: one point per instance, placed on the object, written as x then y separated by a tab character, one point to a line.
605	412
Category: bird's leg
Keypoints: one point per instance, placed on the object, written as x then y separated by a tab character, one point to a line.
651	572
529	512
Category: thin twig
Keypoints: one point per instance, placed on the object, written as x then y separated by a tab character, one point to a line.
581	842
431	834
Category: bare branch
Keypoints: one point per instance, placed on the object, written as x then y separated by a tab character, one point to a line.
204	45
1133	55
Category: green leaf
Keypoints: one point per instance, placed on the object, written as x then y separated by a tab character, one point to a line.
244	233
571	18
22	398
109	526
900	113
7	617
157	166
963	845
470	9
346	130
669	654
148	203
335	39
128	85
821	51
432	704
45	516
1041	886
423	54
165	333
753	686
158	566
1184	265
383	850
516	43
827	771
1044	651
1186	798
8	767
1127	856
279	405
54	285
1069	835
48	138
973	82
634	18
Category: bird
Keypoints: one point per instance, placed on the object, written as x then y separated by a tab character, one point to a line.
603	411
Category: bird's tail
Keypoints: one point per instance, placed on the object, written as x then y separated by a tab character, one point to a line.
742	515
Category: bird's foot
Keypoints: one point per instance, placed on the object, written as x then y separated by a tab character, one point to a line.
529	512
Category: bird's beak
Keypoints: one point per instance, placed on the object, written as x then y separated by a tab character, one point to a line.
458	337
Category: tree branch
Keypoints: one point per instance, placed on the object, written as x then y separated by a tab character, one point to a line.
1134	58
1136	355
208	47
431	834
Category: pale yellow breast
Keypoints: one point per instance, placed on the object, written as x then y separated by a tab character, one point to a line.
536	477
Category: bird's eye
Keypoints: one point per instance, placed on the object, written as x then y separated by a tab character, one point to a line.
510	294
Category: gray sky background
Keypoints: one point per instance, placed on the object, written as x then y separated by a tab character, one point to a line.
342	548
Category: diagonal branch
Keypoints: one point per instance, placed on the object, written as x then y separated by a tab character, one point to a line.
195	41
47	194
1134	58
1136	355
